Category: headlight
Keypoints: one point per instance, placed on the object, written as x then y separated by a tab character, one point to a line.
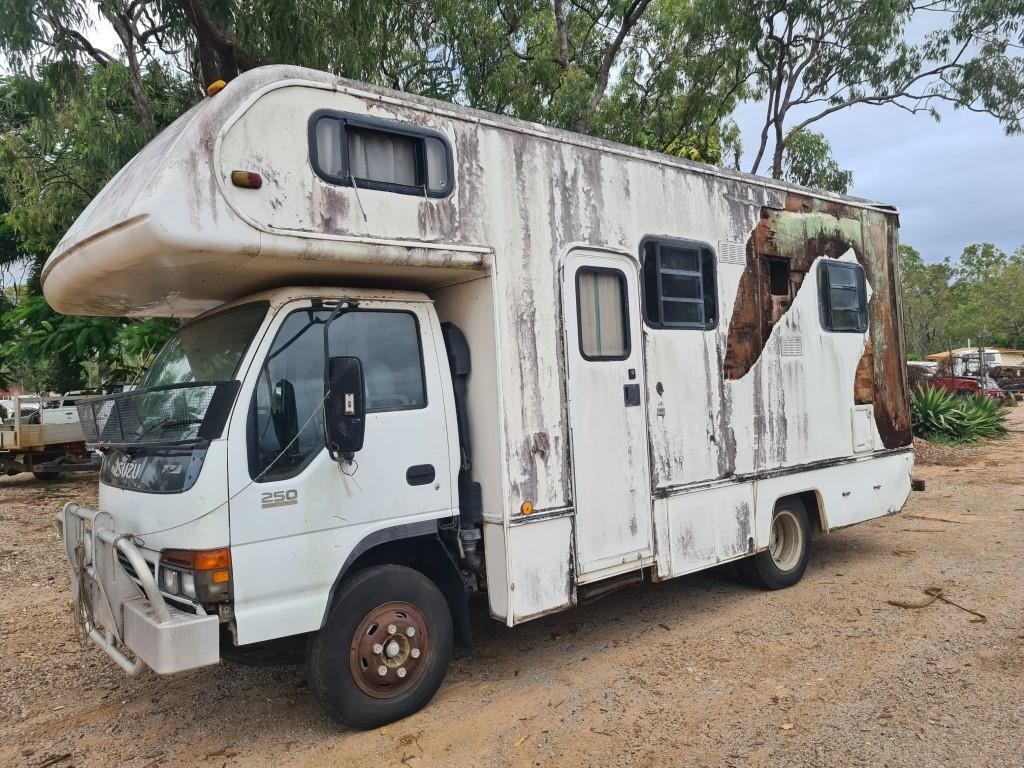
188	585
170	581
203	576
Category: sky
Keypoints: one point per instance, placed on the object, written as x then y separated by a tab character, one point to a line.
956	182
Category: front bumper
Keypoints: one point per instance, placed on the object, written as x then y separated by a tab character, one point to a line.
129	617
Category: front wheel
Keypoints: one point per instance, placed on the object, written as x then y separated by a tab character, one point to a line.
789	549
384	649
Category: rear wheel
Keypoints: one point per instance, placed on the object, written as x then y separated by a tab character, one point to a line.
789	549
45	474
385	648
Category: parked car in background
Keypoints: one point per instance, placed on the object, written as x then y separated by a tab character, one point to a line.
969	385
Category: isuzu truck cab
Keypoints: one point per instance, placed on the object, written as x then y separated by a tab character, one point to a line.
427	353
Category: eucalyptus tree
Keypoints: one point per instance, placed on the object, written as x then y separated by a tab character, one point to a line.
813	58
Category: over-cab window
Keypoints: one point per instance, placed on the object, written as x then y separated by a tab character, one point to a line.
679	285
602	304
286	425
842	297
379	154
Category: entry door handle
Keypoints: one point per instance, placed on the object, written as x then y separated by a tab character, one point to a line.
421	474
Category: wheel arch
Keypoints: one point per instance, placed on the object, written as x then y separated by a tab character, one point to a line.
417	546
815	507
812	501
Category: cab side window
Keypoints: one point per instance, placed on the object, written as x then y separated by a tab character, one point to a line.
286	427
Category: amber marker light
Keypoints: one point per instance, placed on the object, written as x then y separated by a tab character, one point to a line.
526	508
215	87
246	179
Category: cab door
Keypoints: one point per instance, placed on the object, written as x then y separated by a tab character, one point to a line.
296	514
607	413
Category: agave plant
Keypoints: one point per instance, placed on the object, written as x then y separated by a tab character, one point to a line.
934	412
939	414
982	417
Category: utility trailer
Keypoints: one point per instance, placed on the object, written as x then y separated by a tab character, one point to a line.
45	441
434	352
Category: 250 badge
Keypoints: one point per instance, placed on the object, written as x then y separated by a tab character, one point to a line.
279	498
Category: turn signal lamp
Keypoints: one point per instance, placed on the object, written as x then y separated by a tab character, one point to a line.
526	508
246	179
215	87
201	560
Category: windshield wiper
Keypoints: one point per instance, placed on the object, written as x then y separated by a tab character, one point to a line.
170	420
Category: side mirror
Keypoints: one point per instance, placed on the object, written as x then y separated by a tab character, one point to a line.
345	406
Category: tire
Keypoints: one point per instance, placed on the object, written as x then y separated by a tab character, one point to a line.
784	562
45	474
367	630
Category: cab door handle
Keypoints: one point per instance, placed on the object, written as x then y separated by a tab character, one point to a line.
421	474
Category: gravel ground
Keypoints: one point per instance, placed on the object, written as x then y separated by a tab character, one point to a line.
699	671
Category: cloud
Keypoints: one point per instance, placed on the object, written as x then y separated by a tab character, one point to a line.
956	182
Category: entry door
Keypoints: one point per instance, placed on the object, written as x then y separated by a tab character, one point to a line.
607	412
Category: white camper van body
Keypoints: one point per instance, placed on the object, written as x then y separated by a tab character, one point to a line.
651	377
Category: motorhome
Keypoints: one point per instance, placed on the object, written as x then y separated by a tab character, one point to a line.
430	353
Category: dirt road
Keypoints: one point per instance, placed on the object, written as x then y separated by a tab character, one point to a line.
695	672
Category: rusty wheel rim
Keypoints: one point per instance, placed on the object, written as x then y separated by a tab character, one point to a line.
390	649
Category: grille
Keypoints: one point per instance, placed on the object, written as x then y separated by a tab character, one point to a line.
126	564
792	346
181	603
732	252
158	415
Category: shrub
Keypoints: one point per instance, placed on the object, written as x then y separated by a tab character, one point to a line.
983	417
937	414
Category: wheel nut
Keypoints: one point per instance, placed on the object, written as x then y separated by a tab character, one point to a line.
382	670
401	671
411	631
378	648
392	629
415	653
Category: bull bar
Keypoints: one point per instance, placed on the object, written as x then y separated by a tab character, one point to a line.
117	611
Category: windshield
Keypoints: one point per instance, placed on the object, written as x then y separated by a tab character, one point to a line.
208	349
187	393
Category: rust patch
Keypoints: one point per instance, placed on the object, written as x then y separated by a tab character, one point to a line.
864	381
780	252
758	307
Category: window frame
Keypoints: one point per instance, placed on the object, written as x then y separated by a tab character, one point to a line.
363	122
825	294
701	247
627	329
250	423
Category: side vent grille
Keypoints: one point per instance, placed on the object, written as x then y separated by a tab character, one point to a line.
732	252
791	346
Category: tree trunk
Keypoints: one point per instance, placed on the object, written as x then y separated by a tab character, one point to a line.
126	33
780	146
629	19
220	55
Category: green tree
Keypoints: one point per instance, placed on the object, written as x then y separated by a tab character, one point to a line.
808	161
63	133
813	58
927	303
989	295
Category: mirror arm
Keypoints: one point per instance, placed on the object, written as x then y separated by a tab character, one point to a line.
343	306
